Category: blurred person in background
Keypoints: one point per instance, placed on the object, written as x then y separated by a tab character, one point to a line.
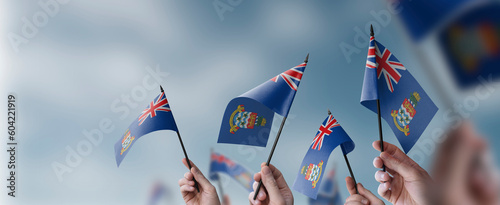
464	171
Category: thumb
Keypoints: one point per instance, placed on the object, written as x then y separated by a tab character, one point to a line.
351	187
270	183
200	177
401	164
367	194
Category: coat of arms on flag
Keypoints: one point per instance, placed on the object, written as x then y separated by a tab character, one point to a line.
329	135
312	173
405	114
126	141
244	119
387	83
254	110
157	116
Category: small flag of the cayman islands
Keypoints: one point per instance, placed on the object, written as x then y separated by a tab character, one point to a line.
311	171
221	164
403	102
157	116
248	118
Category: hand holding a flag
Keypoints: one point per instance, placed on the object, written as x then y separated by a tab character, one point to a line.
409	181
206	195
364	197
275	190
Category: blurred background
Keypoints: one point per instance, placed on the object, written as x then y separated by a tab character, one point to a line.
83	69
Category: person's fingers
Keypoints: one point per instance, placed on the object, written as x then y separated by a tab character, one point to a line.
397	160
262	193
189	176
384	190
184	181
378	163
257	177
261	196
227	201
353	203
278	176
368	194
356	199
200	178
351	187
403	165
271	185
382	177
186	188
197	174
184	161
255	185
252	201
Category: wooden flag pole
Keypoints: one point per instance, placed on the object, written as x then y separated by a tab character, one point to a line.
379	116
274	145
185	153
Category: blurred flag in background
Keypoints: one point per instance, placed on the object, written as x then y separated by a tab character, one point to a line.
221	164
421	17
468	35
471	44
158	192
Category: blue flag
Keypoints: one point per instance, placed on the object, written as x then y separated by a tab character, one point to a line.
311	171
329	193
221	164
403	102
157	116
422	17
478	28
248	118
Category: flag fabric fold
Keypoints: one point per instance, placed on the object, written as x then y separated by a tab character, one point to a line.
248	118
221	164
399	93
312	168
157	116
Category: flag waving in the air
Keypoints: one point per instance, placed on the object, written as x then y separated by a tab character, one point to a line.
157	116
329	136
249	117
403	102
